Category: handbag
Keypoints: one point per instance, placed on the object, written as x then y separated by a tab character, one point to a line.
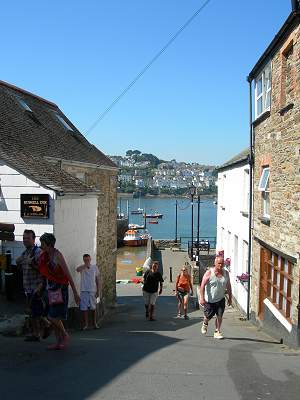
55	297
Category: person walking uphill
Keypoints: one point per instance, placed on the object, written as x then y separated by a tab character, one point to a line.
183	288
215	283
53	267
152	280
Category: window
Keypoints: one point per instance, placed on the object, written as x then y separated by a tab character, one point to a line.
63	122
24	105
80	176
245	257
279	281
263	91
246	191
263	187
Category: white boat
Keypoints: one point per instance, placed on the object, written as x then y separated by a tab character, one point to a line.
134	239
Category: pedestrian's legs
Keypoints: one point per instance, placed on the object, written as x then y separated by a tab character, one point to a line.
151	312
62	337
95	319
36	326
147	310
218	322
185	305
179	306
85	319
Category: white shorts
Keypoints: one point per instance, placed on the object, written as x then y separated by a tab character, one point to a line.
87	301
150	298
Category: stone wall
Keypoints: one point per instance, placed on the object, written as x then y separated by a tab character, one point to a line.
104	180
277	145
122	227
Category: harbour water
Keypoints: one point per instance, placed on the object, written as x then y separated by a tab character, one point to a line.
165	229
128	258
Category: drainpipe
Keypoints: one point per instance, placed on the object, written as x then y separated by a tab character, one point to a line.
295	5
251	165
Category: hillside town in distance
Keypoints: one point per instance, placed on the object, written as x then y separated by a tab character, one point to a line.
147	174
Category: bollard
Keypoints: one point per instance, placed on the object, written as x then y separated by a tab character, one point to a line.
171	277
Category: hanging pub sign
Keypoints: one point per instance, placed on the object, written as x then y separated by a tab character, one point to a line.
34	205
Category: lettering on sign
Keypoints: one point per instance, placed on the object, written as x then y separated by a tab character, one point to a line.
34	205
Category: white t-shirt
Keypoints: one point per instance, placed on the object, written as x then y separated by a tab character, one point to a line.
88	279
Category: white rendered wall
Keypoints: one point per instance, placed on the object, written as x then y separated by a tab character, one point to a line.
12	185
75	229
233	224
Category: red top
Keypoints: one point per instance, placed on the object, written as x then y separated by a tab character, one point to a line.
52	271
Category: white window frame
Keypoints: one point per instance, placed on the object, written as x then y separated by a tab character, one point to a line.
246	190
263	187
265	92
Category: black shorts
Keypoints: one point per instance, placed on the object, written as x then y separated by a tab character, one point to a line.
211	309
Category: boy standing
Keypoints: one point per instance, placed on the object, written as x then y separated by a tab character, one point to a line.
89	289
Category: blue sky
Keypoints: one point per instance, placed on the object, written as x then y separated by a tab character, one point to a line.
191	105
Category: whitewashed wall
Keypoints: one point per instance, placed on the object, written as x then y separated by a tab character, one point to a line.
233	224
75	229
12	185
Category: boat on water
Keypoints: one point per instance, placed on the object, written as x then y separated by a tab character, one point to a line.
134	239
154	215
153	221
137	212
136	226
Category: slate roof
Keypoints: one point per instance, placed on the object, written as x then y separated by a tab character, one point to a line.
28	141
241	158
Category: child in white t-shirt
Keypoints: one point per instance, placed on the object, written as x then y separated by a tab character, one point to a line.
89	289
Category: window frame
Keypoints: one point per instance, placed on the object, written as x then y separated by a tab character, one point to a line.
279	281
265	92
23	104
63	122
260	187
265	192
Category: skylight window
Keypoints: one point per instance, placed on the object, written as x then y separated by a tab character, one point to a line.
63	122
24	105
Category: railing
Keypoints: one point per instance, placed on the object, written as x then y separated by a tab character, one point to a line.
205	245
186	241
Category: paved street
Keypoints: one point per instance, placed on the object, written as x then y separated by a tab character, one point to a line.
130	358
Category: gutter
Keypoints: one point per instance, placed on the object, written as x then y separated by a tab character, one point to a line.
240	162
81	163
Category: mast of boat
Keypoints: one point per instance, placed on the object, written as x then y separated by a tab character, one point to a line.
127	205
145	219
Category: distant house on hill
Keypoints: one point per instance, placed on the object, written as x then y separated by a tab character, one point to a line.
53	180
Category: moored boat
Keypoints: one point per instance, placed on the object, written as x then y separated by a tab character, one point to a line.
134	239
155	215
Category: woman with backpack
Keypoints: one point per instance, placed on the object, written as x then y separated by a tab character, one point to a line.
183	289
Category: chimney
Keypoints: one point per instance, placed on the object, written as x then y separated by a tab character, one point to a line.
295	5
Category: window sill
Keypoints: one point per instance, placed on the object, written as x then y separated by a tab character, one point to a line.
264	220
261	118
245	213
285	109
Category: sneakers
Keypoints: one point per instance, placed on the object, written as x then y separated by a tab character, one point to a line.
186	317
204	329
218	335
